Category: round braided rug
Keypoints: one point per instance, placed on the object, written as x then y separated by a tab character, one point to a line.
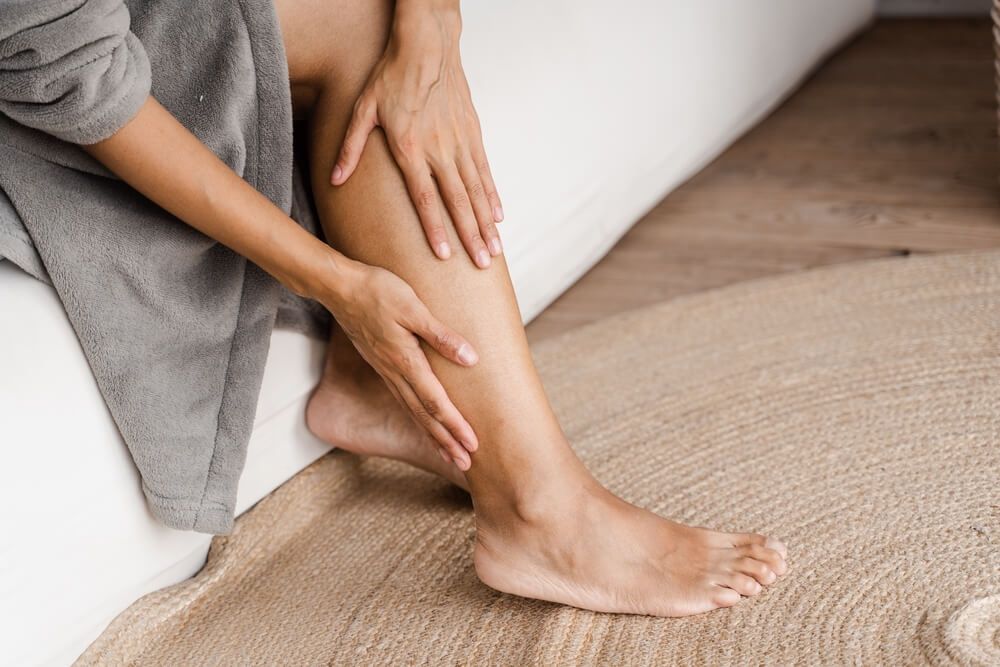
852	411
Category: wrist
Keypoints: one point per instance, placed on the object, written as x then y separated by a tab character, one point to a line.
427	24
334	281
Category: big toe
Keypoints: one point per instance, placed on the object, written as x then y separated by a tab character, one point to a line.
751	539
777	545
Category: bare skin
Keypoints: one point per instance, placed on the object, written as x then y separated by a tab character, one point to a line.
546	528
352	409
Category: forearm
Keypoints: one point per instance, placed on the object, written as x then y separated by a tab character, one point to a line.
427	24
160	158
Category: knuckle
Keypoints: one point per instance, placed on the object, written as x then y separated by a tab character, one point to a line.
476	190
407	143
426	199
421	414
444	340
432	406
460	200
407	364
347	148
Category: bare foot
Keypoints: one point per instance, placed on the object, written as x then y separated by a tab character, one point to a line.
597	552
352	409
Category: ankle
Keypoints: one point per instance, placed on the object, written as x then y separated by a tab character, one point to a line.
541	507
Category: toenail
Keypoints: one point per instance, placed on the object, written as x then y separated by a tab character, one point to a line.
776	545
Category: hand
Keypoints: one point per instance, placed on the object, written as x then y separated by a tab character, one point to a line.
419	95
385	320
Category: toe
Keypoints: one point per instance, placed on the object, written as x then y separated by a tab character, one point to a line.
724	596
770	557
756	539
776	545
744	539
756	569
743	584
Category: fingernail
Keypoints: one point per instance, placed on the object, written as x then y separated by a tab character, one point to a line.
463	462
482	259
497	214
495	247
470	445
337	173
443	250
467	355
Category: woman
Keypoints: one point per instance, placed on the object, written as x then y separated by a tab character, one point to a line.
408	187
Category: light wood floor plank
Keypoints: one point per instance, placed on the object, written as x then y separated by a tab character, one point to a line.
890	148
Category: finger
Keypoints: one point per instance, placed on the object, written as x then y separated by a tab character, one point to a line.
456	451
459	206
395	393
480	205
486	176
363	121
442	452
479	158
424	194
442	338
436	403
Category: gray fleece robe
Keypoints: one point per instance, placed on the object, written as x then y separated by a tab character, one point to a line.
174	325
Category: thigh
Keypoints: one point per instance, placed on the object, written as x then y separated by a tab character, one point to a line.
331	44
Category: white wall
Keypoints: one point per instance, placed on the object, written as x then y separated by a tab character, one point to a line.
934	7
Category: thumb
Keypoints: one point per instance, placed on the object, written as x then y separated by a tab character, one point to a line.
445	340
363	121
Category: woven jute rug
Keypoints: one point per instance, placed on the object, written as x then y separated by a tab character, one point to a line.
852	411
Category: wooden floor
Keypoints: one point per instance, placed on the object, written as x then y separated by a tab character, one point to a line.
889	148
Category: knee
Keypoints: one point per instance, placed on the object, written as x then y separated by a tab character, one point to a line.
332	45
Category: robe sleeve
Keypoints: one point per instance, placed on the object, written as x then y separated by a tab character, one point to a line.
71	68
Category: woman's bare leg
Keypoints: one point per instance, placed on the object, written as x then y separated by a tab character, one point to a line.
352	409
545	527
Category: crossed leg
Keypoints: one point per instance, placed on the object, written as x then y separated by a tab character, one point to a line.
545	527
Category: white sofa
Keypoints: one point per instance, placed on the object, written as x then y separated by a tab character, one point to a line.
593	111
